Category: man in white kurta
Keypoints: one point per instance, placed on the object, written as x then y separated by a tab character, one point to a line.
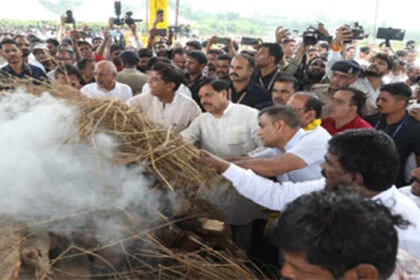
105	85
164	105
228	130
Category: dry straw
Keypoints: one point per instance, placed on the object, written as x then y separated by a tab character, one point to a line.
26	253
164	153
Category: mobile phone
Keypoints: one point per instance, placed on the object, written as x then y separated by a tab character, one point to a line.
249	41
161	32
223	41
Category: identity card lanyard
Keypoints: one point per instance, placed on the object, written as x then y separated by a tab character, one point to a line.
397	130
271	82
240	97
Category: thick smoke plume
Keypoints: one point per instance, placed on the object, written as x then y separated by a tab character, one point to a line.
42	178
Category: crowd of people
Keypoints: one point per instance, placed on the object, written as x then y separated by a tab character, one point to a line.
326	134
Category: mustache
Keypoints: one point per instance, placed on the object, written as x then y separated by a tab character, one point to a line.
233	74
323	173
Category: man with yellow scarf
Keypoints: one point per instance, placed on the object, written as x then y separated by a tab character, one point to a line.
294	140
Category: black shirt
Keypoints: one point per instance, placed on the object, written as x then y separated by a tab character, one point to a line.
266	82
253	96
28	71
406	135
195	86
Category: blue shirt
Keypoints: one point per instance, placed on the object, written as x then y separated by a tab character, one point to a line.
28	71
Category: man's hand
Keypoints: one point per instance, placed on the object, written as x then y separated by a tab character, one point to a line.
213	161
323	30
281	34
110	23
107	35
343	34
158	18
415	113
258	45
63	20
213	40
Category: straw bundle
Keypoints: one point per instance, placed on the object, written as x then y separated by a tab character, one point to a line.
164	153
191	242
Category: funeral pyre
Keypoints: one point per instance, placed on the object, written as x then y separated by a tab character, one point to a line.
92	189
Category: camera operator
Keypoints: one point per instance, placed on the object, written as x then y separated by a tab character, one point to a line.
371	81
314	73
161	47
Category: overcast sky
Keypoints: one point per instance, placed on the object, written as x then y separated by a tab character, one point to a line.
397	13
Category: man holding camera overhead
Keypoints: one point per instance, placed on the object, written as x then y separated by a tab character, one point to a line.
371	80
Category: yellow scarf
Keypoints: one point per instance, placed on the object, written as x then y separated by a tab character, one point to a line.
314	124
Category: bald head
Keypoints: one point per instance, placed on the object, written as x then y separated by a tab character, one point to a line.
107	66
105	73
307	107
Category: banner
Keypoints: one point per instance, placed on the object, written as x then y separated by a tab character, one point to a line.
154	6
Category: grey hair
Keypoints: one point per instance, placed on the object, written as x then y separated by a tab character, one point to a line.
111	66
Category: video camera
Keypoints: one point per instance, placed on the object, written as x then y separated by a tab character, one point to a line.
126	19
358	32
312	35
69	19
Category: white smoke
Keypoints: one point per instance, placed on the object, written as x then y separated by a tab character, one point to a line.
40	177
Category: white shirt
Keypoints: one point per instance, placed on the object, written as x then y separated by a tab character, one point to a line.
407	192
409	238
175	116
183	89
364	85
271	195
233	134
51	74
276	196
120	91
310	146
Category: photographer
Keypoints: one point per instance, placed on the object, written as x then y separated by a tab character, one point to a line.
159	47
371	81
292	60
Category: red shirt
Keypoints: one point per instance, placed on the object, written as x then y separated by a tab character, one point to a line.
357	122
98	58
